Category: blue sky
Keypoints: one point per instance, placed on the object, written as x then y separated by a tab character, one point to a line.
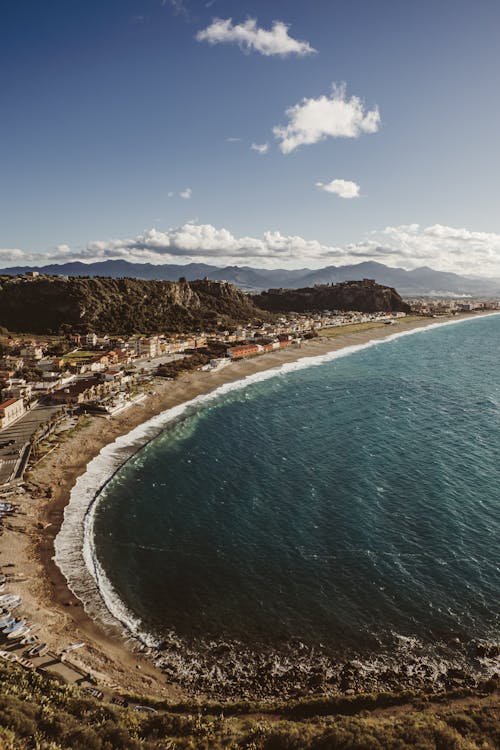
113	108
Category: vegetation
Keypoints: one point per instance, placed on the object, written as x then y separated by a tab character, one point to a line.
354	328
79	355
58	305
37	711
182	366
365	296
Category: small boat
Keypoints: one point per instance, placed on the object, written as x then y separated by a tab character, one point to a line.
10	600
29	640
6	620
14	626
39	650
11	657
26	663
19	633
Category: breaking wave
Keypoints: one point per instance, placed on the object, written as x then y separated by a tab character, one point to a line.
228	667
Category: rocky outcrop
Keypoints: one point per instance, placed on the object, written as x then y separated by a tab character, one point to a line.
365	296
55	304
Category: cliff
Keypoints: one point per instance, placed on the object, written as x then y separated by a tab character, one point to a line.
365	296
52	304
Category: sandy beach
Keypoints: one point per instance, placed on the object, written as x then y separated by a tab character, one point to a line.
27	543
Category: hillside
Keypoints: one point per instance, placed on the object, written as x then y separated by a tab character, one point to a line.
419	281
37	711
50	304
366	296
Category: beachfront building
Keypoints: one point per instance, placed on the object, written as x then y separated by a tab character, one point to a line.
91	340
86	389
10	411
16	388
147	347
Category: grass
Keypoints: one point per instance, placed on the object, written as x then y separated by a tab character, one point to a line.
78	355
351	328
38	711
357	327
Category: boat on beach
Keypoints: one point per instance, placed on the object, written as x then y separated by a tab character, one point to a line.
13	626
39	650
18	633
29	640
10	601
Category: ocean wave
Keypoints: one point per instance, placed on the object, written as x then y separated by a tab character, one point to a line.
75	552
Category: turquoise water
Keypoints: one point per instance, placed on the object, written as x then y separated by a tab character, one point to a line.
341	508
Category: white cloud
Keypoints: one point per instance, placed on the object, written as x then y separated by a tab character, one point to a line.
186	194
407	245
13	256
261	148
342	188
232	139
251	37
334	116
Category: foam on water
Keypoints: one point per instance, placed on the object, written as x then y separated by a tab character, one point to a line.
75	552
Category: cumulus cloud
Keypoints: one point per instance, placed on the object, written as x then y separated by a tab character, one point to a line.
407	245
250	37
334	116
342	188
261	148
186	194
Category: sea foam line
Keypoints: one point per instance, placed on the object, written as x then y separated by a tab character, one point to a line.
75	552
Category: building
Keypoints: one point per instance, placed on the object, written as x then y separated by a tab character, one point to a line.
91	339
11	410
86	389
32	353
17	388
148	347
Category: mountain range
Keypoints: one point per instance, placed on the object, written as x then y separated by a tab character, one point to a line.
420	281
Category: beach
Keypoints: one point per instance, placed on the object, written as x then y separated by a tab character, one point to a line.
28	544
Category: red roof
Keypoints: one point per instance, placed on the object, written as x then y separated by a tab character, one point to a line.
9	402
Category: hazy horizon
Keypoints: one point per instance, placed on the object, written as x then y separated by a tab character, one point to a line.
269	134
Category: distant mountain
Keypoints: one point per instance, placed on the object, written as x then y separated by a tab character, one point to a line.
420	281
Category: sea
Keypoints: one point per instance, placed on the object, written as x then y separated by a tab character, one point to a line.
334	523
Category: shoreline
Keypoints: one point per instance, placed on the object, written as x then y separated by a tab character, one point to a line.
47	599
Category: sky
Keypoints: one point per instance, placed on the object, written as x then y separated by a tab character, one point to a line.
271	133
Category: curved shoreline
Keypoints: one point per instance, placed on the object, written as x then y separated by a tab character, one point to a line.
74	547
56	477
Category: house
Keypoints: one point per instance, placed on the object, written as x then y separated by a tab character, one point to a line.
147	347
11	363
10	411
32	353
86	389
91	339
16	388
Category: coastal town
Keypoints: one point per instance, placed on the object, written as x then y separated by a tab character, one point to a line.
44	380
53	386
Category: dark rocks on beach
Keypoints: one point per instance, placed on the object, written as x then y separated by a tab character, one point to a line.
487	650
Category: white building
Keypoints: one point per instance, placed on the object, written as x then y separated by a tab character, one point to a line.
10	411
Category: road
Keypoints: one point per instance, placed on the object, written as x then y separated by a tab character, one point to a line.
20	432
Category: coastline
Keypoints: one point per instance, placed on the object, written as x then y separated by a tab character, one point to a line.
47	599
